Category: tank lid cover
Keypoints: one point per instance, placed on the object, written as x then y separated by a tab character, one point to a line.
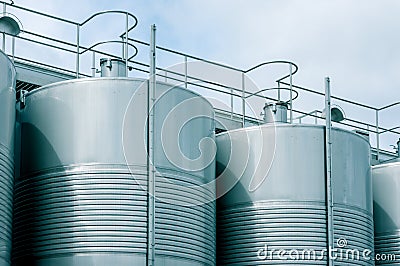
112	67
275	112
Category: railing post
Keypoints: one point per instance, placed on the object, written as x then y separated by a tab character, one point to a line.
186	72
377	133
291	93
77	50
328	173
243	101
123	47
4	34
4	43
231	103
151	171
316	116
126	43
93	64
279	91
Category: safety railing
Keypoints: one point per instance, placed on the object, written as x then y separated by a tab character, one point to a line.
238	94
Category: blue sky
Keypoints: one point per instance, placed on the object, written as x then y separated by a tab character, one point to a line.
355	42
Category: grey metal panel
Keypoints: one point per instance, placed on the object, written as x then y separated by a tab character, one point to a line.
386	210
38	75
287	210
7	130
81	195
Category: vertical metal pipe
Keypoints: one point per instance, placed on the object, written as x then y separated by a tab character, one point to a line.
123	47
126	43
150	159
316	116
4	35
77	50
243	101
377	134
328	159
13	48
291	93
231	103
93	64
186	72
279	91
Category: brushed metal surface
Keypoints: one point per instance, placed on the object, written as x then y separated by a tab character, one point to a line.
112	67
386	185
287	210
7	131
81	195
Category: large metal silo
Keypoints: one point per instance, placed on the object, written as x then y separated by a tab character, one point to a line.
273	209
7	129
81	196
386	188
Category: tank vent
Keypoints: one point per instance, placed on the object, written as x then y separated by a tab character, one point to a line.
275	112
112	67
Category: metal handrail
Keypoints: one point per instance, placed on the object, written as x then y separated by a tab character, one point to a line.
388	106
234	91
390	130
333	97
70	72
291	73
270	89
79	25
68	44
273	99
188	56
109	12
60	48
127	29
274	62
312	113
39	13
105	42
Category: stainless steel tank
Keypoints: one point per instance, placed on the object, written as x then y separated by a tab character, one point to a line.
81	197
272	207
7	129
386	188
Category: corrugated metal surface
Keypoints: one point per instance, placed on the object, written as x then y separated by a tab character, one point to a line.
185	230
388	244
245	229
387	212
288	226
6	197
83	210
81	197
287	210
7	129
